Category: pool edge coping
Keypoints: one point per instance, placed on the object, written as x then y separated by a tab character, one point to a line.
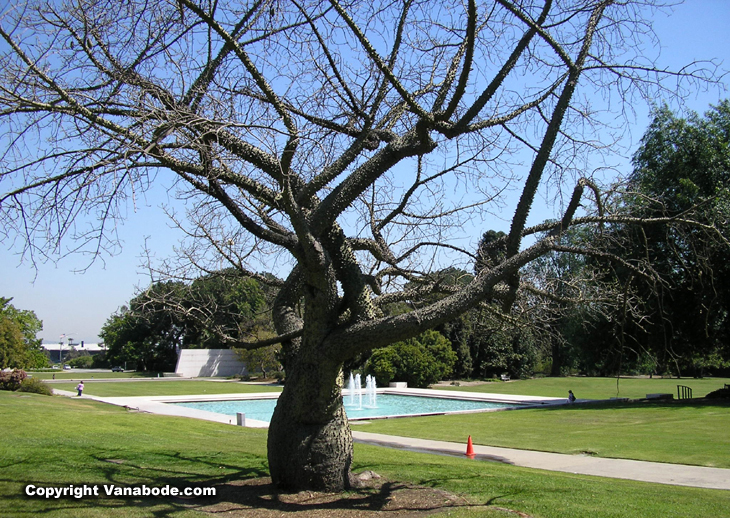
160	404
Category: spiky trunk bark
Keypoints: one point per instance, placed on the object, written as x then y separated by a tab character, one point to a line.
310	444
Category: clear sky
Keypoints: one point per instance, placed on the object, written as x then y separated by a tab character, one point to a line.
78	304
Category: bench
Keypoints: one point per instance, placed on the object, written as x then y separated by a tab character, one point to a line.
684	392
505	377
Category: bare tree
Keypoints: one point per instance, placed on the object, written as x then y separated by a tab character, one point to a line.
355	139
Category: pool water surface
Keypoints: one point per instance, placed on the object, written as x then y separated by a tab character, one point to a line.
387	405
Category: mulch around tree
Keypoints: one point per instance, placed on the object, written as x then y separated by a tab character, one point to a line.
375	498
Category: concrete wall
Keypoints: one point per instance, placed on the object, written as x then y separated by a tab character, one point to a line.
208	362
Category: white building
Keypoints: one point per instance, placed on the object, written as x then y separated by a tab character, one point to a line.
57	351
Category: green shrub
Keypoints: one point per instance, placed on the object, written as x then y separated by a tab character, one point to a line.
382	364
11	380
35	386
418	361
82	362
100	361
37	360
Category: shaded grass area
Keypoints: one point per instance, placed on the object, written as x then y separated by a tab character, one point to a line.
596	388
164	388
56	441
683	433
59	441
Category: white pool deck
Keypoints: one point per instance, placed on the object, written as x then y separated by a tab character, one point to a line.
653	472
160	404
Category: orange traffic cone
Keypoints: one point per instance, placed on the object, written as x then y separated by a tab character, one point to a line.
469	448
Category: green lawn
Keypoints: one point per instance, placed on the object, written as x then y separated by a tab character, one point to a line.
164	388
59	441
74	375
596	388
695	433
56	441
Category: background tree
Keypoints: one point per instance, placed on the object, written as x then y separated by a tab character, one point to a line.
146	333
84	361
325	135
675	318
208	312
222	307
683	165
459	332
568	296
504	347
264	360
12	346
19	347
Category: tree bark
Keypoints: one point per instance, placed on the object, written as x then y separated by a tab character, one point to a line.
309	442
557	355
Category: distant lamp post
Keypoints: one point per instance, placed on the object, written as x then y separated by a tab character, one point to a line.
60	346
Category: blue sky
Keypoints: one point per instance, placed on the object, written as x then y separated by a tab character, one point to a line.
78	303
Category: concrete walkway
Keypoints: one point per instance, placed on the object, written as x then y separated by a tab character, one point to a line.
654	472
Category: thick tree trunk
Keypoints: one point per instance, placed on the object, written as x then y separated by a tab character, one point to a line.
310	444
557	356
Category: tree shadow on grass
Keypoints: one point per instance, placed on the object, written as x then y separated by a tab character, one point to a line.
244	494
111	468
203	469
18	504
259	498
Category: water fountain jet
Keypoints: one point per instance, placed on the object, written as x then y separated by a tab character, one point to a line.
358	389
351	390
370	392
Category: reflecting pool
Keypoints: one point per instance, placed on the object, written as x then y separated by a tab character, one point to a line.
387	405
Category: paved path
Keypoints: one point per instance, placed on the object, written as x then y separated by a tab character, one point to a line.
655	472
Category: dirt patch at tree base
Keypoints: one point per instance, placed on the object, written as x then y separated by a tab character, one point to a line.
376	498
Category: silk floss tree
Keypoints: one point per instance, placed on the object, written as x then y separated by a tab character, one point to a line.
355	141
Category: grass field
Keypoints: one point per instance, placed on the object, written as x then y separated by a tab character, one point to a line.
596	388
694	433
74	375
59	441
164	388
